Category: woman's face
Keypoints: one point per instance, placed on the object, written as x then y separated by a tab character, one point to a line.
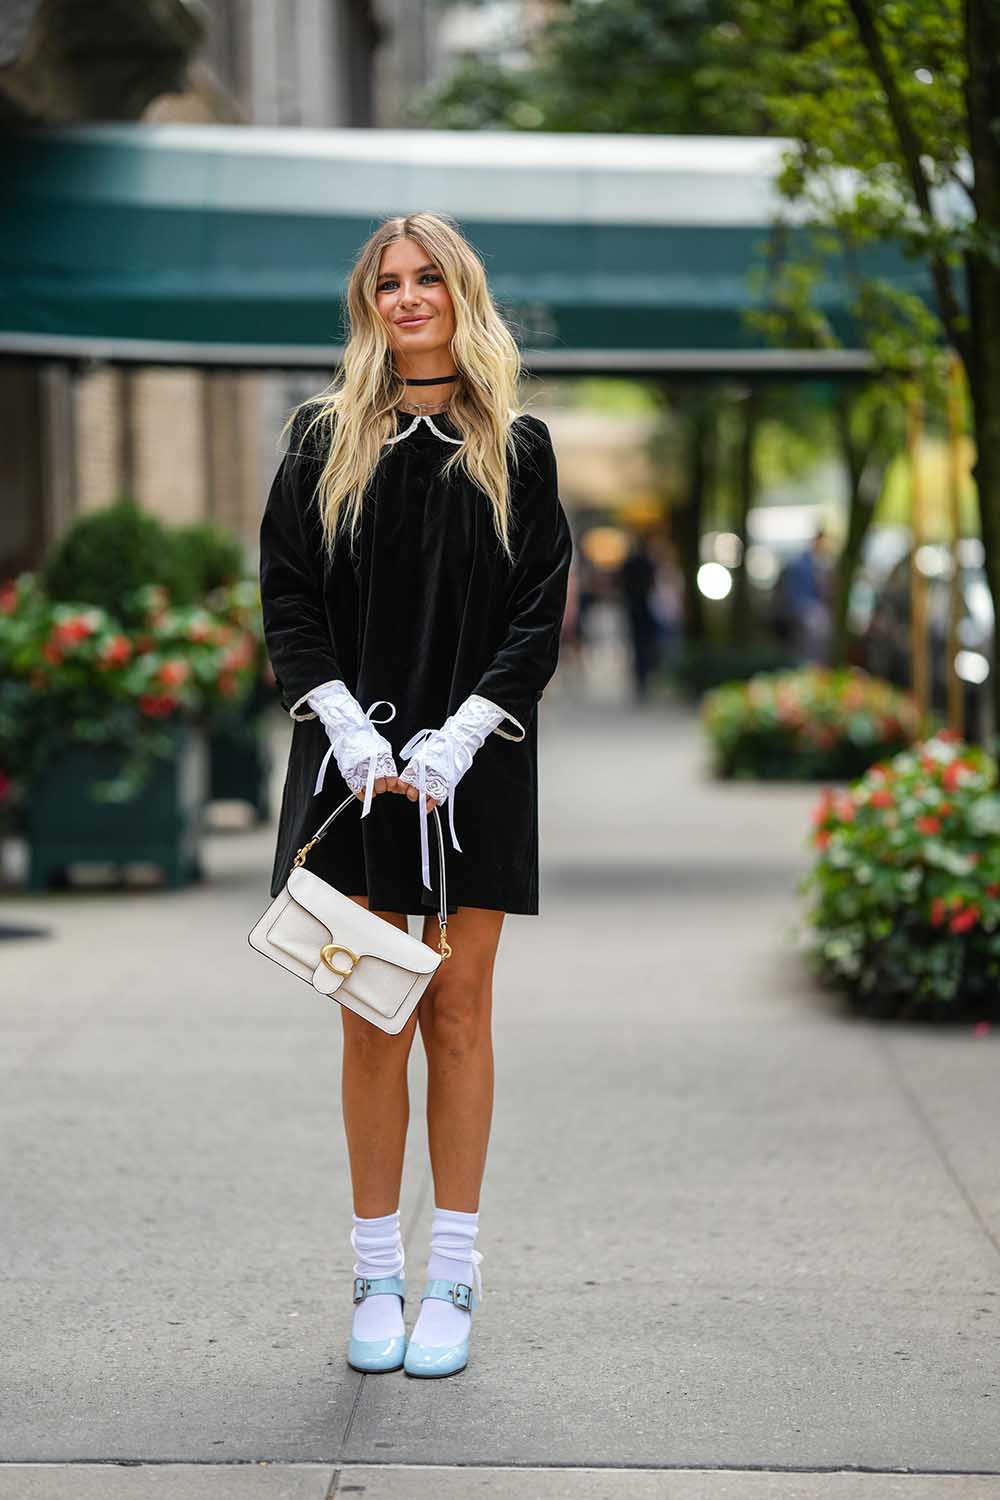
410	286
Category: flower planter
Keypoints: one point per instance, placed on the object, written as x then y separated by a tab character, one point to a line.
64	825
240	765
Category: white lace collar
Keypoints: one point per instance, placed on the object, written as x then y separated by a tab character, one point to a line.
421	417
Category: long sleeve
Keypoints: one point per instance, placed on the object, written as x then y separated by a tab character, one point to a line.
536	599
296	632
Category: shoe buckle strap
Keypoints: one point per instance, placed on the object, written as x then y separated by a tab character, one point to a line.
365	1286
458	1293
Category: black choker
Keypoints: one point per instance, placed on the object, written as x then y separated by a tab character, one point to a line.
434	380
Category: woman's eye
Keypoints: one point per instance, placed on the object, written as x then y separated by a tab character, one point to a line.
387	286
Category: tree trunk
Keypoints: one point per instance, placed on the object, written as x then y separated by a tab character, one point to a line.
865	475
689	518
739	615
984	388
982	41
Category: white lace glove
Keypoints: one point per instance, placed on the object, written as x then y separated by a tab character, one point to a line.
361	753
441	757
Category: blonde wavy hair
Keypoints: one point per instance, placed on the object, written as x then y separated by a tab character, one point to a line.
356	413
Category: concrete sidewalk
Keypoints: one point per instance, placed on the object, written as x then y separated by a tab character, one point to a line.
735	1243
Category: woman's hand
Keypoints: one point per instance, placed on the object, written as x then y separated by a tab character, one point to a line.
393	784
412	793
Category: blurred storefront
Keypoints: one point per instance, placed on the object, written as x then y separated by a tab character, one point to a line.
188	440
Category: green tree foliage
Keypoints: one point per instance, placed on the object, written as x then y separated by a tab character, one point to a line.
617	66
893	116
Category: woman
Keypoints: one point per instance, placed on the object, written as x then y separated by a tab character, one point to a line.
414	551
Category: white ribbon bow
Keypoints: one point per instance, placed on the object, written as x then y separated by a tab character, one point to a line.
459	760
372	735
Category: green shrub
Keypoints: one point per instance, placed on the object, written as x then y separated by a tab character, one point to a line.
104	557
206	558
111	557
807	724
906	884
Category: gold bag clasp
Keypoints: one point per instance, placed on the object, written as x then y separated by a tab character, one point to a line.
327	952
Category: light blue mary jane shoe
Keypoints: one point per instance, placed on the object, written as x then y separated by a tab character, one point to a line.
373	1356
442	1359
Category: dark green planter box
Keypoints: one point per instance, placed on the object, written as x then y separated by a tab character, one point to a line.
240	765
161	826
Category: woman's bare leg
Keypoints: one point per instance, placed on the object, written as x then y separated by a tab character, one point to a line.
455	1017
376	1102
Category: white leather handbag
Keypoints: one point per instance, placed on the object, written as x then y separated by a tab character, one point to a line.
344	950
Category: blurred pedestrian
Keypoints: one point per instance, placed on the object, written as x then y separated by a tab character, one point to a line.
805	603
447	597
667	601
638	582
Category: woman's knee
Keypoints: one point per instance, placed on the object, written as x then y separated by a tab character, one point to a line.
369	1047
455	1011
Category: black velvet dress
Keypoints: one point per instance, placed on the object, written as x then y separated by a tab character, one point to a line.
425	610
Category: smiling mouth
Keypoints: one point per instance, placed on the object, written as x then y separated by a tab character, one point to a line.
410	322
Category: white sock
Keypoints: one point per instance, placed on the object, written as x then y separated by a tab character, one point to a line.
379	1247
453	1258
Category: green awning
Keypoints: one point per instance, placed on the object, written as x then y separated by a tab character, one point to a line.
230	245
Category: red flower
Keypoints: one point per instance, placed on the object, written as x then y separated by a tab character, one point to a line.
821	838
929	824
882	797
52	651
157	705
963	920
938	911
952	774
116	651
823	805
8	598
73	630
174	672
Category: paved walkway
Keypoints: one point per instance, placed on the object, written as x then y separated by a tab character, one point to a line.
735	1244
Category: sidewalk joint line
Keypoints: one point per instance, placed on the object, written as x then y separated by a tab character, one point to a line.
340	1465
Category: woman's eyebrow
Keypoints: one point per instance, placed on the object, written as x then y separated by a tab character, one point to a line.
418	271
